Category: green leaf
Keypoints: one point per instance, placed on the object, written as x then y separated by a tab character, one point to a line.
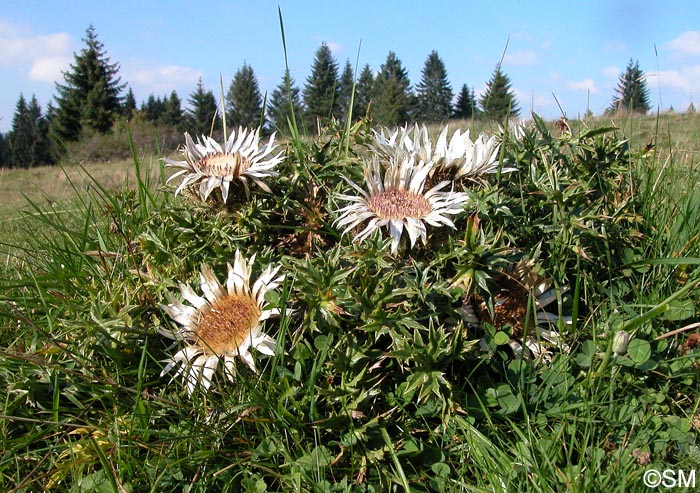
501	338
597	131
639	350
97	482
588	348
584	360
323	343
254	484
441	469
624	361
508	401
272	297
267	448
320	456
680	310
491	397
648	365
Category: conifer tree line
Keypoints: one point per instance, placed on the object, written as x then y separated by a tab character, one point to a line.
92	97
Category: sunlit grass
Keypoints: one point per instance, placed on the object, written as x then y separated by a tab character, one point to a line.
57	184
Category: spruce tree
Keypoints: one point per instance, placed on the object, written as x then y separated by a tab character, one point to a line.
56	148
98	113
285	99
28	143
632	93
20	138
465	106
41	154
172	112
363	92
89	99
129	106
498	102
4	152
393	100
202	112
321	90
347	79
243	100
434	92
153	108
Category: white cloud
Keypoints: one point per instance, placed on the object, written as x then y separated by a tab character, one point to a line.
685	80
533	102
336	48
164	78
49	69
612	72
29	48
687	43
542	103
522	58
587	85
39	57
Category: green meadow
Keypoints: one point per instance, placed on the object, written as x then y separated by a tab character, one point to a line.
390	371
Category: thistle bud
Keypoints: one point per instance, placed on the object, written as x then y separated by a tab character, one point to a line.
620	342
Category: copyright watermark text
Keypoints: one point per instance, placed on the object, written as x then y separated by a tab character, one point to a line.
669	478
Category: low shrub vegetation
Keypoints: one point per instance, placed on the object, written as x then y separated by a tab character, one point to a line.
513	311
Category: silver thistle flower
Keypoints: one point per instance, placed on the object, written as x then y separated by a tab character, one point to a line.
395	198
226	322
240	159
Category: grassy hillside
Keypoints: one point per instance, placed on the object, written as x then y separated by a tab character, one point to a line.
58	184
26	192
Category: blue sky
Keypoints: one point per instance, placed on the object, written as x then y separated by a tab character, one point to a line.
574	51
